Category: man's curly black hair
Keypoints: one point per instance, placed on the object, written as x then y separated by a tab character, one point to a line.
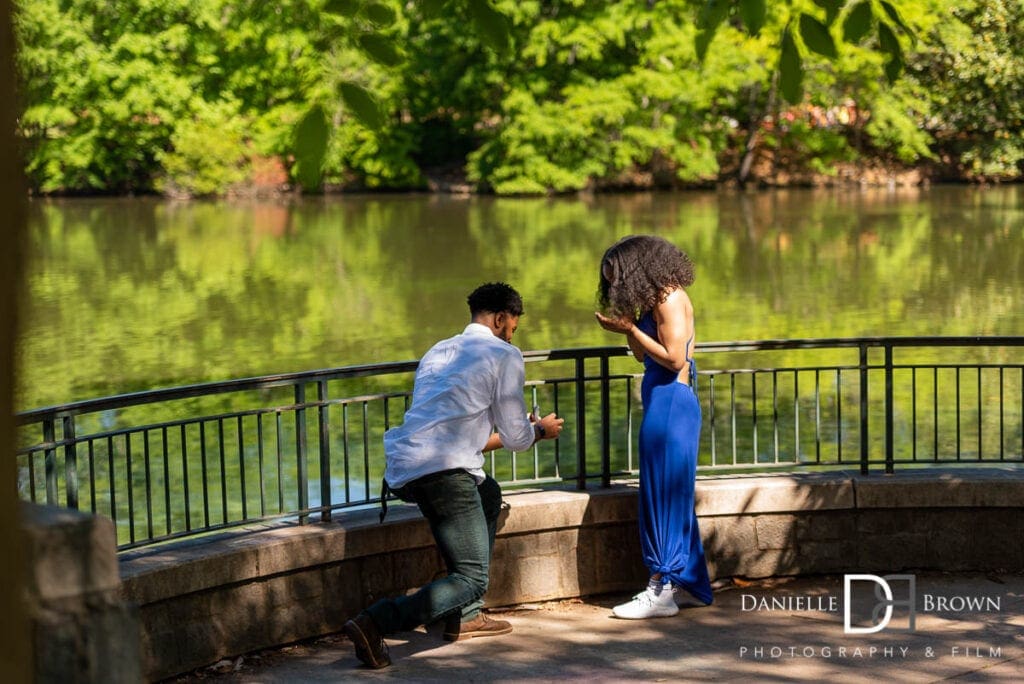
495	298
643	270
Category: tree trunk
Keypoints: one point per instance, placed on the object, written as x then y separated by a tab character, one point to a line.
754	130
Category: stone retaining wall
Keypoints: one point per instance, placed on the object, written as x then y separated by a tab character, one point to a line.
205	600
82	629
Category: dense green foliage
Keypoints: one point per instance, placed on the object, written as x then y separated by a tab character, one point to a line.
200	97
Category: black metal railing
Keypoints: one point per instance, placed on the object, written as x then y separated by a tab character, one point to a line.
190	460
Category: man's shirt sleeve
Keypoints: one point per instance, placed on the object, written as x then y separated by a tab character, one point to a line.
509	409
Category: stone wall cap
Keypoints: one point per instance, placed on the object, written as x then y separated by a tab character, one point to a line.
70	554
193	565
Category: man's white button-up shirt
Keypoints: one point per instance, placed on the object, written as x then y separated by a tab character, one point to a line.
465	386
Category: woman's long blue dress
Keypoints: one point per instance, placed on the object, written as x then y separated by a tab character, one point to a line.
669	437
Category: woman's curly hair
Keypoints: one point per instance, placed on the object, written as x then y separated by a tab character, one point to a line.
643	269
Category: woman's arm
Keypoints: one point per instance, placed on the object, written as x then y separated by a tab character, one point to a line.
635	346
674	317
493	442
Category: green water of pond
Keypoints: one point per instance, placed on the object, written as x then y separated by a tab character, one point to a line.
131	294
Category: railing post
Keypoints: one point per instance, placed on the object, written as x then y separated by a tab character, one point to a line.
863	408
581	424
70	462
606	441
325	453
889	410
302	467
50	460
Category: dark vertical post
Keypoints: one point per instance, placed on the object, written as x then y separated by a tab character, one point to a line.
130	478
325	452
167	479
279	452
558	443
581	424
70	462
863	409
711	418
913	414
110	477
606	430
957	370
50	461
261	459
240	428
149	484
839	415
301	466
345	451
980	410
223	472
1002	423
889	438
184	479
753	414
92	478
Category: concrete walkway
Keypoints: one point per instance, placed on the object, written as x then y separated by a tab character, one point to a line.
968	628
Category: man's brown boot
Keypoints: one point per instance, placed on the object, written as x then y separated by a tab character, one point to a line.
370	647
480	626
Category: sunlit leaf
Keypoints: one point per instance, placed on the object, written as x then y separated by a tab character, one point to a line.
346	8
380	49
791	72
893	68
894	14
831	8
753	13
817	37
380	14
712	14
888	42
362	105
701	43
492	25
310	146
857	22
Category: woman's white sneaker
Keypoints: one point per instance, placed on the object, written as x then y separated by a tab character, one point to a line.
654	601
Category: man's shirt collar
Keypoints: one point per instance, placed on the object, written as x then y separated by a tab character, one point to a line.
478	329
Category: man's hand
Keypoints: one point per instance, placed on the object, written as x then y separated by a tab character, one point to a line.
552	425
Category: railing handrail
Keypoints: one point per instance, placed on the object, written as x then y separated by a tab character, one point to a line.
573	353
260	456
215	387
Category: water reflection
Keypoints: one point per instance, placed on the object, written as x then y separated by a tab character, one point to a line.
130	294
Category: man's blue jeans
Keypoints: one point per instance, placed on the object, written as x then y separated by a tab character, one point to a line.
464	518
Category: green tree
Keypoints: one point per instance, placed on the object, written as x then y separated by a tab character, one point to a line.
972	70
186	97
99	99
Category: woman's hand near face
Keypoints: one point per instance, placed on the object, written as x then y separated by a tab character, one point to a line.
621	324
626	326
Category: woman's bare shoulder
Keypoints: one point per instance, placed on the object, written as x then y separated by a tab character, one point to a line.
675	302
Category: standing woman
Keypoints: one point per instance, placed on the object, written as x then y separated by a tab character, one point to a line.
642	294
